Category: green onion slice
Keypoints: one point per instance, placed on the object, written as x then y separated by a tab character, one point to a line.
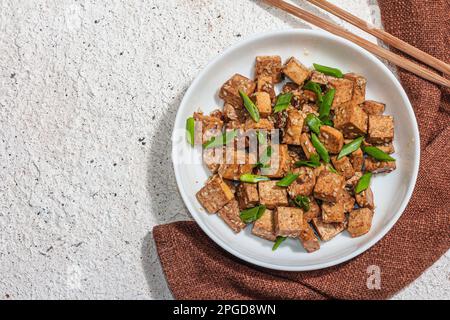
287	180
278	242
190	130
334	72
377	154
250	106
283	102
363	182
350	147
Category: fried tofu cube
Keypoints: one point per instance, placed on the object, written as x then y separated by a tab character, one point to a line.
359	222
343	166
308	238
359	87
376	166
332	139
263	103
288	221
304	184
333	212
230	214
373	107
381	129
279	162
269	66
265	84
210	126
351	120
215	194
327	231
353	181
233	113
320	78
347	200
211	159
289	87
357	159
313	212
263	124
264	227
247	195
296	71
235	165
365	199
306	144
294	127
230	89
387	147
344	91
271	195
328	186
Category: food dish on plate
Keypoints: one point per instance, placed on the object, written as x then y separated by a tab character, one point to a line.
296	164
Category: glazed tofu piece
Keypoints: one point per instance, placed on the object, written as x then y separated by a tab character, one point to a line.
320	78
232	113
343	166
271	195
247	195
359	222
365	199
230	90
289	87
347	200
230	214
265	84
357	159
288	221
328	186
351	120
269	66
344	91
212	158
332	139
263	103
296	71
373	107
263	124
351	183
308	238
264	227
215	194
235	165
328	231
381	129
359	87
375	166
206	127
294	127
304	184
306	144
313	212
333	212
279	162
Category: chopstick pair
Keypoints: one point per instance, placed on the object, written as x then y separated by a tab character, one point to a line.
369	46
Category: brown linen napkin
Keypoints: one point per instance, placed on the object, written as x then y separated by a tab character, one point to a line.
196	268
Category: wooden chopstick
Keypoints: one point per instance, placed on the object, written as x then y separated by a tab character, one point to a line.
369	46
384	36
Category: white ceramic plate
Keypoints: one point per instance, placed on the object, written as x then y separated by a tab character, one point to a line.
392	192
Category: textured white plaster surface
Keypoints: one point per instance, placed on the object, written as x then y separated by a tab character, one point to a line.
88	96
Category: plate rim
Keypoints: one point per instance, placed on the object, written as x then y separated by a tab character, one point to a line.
362	248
